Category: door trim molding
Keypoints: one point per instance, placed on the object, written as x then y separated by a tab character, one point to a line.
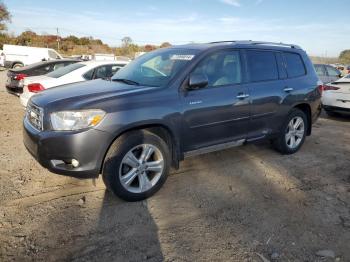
209	149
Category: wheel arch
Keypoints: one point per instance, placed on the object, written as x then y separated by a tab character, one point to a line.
306	108
160	130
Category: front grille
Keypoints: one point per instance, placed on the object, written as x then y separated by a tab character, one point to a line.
35	115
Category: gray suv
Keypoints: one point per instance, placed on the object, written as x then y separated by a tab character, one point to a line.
170	104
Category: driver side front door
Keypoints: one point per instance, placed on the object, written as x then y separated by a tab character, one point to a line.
218	113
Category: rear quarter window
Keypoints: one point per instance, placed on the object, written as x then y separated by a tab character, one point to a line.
262	65
295	65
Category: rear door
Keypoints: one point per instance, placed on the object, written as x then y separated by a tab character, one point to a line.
219	112
267	90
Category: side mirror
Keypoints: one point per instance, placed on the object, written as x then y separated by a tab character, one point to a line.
198	81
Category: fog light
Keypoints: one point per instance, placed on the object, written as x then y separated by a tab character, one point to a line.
75	163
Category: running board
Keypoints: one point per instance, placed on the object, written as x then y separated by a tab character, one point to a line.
209	149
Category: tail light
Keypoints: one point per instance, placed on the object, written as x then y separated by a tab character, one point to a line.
320	87
330	88
35	88
19	77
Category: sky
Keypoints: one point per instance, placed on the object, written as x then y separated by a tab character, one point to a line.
321	27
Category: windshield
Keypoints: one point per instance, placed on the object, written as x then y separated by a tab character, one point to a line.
156	68
64	70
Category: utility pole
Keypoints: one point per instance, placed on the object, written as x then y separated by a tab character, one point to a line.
58	40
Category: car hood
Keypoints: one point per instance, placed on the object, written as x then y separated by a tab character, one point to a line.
84	93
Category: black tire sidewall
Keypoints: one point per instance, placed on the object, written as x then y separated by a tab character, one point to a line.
294	113
116	154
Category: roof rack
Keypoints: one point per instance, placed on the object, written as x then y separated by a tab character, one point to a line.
250	42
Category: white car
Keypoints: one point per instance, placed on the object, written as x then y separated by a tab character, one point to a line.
77	72
336	96
17	56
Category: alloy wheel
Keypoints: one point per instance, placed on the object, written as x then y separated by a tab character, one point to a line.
141	168
295	132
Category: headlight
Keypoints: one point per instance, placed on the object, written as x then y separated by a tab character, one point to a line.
74	120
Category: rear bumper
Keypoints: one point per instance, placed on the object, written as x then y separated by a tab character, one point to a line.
337	100
14	90
54	150
337	109
14	87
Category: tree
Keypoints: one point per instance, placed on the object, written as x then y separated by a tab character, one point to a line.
126	41
344	56
149	48
4	16
165	44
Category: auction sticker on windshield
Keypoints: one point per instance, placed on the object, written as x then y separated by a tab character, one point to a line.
182	57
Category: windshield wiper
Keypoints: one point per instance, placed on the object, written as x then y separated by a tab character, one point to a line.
126	81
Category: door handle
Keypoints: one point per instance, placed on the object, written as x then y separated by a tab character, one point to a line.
242	96
288	89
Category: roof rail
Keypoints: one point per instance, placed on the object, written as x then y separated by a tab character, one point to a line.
250	42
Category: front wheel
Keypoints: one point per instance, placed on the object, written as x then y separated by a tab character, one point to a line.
136	165
293	133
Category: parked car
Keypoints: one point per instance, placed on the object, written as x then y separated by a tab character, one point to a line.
15	77
2	58
327	73
77	72
103	57
18	56
347	69
170	104
336	96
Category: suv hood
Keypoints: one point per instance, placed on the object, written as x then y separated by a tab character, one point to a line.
66	96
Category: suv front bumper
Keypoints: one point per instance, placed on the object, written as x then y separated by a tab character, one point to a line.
55	150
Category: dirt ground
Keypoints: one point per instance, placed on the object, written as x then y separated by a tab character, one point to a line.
242	204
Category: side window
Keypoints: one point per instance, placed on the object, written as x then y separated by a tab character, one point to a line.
262	65
115	68
221	68
332	71
319	70
295	65
59	65
42	70
103	72
89	74
281	66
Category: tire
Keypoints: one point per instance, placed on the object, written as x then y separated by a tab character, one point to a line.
120	166
17	65
283	143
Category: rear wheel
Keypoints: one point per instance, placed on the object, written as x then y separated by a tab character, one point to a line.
17	65
136	165
293	133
